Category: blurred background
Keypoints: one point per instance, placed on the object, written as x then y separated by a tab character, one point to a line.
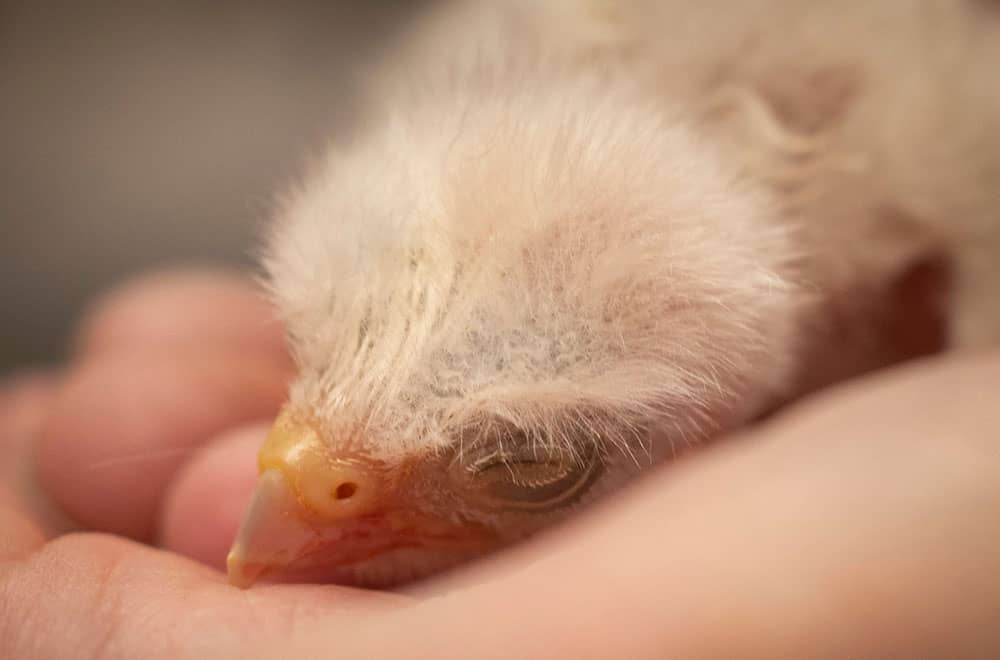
139	135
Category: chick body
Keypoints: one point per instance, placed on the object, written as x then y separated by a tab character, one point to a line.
603	232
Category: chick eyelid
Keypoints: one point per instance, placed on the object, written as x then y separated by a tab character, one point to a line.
522	475
533	486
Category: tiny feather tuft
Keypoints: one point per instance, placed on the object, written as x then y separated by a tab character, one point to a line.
531	247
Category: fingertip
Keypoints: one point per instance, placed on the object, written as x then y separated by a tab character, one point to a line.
21	535
23	401
195	306
122	426
204	503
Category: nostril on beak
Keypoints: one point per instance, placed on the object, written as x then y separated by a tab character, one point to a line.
332	486
345	491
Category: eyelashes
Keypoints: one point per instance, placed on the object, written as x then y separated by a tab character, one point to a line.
505	468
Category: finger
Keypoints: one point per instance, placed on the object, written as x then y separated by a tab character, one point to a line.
123	425
24	400
182	308
91	595
862	526
174	313
19	532
206	500
25	515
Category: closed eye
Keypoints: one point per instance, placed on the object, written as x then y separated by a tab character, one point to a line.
505	467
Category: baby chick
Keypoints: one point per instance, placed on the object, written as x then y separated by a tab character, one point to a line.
578	237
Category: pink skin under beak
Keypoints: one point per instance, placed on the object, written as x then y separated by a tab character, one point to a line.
281	540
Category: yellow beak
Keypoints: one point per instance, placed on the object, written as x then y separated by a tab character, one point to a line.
302	491
314	512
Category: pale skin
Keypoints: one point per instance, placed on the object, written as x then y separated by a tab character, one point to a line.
861	523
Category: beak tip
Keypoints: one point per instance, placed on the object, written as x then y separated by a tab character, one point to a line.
241	574
264	524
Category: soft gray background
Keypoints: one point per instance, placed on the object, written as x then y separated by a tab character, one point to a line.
139	135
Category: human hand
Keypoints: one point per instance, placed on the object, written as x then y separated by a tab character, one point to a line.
861	523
